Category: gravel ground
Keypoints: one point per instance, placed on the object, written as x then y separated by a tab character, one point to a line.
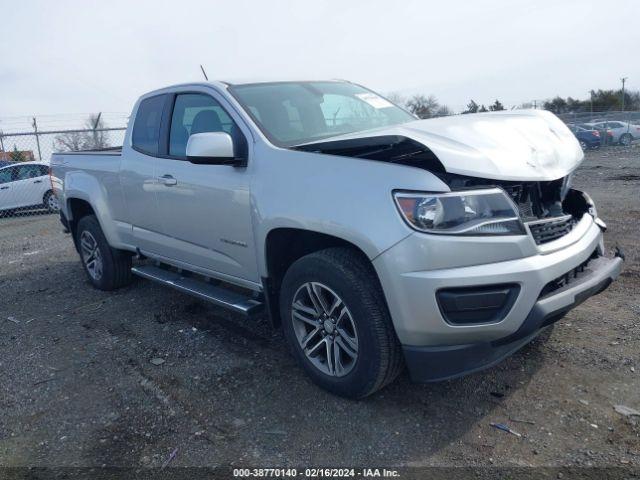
78	387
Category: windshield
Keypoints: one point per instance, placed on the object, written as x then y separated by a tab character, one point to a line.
292	113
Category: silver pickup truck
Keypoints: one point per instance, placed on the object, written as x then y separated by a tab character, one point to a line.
374	239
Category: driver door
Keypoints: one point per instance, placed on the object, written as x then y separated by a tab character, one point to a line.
205	209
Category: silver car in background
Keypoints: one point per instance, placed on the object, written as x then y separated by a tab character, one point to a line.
623	133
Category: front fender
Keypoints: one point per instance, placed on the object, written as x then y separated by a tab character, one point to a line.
344	197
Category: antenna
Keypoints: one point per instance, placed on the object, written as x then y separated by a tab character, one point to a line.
204	73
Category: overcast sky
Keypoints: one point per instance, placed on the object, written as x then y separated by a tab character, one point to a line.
88	56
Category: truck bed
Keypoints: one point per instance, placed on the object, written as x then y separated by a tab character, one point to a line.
100	151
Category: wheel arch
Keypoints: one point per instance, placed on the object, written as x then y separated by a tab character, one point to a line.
282	247
76	209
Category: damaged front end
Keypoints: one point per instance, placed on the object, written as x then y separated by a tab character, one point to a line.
549	210
530	155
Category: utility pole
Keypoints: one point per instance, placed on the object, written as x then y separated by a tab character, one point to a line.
623	79
95	133
35	128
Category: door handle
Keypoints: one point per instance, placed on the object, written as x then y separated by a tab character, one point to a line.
37	181
167	180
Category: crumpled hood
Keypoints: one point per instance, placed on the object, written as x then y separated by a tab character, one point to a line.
529	145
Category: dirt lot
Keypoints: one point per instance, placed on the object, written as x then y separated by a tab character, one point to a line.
78	388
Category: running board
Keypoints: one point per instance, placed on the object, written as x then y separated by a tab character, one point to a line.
202	289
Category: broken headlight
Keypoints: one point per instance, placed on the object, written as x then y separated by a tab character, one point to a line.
469	212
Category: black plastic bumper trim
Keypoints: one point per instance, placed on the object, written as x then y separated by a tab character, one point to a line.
436	363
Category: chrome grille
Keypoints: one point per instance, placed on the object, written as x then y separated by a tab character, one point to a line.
549	229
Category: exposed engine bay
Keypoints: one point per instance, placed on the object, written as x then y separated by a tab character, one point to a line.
550	209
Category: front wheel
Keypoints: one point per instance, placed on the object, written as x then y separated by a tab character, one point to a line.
106	267
337	323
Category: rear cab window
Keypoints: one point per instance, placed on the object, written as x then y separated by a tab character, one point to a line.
146	128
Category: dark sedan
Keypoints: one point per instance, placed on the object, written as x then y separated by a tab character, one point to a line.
589	139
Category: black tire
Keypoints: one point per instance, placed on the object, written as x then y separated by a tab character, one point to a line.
626	139
115	264
351	276
49	204
584	145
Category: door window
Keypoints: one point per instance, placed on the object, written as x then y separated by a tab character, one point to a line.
146	129
28	171
197	113
6	175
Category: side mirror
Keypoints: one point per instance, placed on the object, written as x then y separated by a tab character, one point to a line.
212	148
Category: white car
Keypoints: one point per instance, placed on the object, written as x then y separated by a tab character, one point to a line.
25	184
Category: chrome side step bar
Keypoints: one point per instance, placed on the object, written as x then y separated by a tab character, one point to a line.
202	289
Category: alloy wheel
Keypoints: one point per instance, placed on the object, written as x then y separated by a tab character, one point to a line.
325	329
91	255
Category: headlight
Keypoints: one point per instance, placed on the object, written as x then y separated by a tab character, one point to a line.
469	212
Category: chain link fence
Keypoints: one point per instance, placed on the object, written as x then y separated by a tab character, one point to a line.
25	187
604	129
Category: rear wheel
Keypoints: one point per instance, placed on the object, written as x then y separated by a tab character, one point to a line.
337	324
50	202
626	139
106	267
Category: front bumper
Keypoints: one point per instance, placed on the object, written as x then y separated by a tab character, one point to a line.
413	271
427	364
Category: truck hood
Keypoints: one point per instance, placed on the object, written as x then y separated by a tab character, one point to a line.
523	145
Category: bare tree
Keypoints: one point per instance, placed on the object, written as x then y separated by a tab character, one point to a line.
423	106
93	137
97	138
69	142
397	98
443	111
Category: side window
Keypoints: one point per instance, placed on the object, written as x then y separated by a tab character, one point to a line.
146	129
44	170
6	175
197	113
28	171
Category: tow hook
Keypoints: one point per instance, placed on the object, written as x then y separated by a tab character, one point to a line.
619	253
